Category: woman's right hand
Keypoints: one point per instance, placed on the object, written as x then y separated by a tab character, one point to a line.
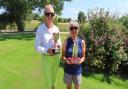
50	51
69	61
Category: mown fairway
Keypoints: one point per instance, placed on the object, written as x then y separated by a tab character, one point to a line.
20	68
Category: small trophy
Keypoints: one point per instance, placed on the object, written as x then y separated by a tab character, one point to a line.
75	52
56	47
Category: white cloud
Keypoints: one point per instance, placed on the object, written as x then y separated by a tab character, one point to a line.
74	10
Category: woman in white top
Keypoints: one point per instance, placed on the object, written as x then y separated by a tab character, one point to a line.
47	44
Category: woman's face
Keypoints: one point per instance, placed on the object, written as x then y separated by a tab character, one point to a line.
49	15
74	31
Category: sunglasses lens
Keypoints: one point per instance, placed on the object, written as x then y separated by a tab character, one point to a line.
52	14
73	28
48	14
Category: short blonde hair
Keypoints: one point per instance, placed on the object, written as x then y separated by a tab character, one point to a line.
48	6
74	23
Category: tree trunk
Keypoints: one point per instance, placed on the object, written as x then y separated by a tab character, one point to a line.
20	25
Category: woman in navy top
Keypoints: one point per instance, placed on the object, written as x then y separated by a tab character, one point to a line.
73	45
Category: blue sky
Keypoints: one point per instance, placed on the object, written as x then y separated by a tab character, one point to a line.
71	9
2	10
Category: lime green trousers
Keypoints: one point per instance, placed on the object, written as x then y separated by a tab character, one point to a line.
50	66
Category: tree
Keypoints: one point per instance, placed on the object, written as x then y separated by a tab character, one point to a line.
82	20
81	17
15	12
35	16
18	10
124	21
106	37
107	40
60	19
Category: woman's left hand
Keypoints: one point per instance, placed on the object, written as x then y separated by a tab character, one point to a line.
79	61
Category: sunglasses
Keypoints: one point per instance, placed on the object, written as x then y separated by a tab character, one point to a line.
48	14
73	28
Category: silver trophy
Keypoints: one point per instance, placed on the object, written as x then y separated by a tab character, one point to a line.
56	47
75	52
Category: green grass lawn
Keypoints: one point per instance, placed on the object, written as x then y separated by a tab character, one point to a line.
20	68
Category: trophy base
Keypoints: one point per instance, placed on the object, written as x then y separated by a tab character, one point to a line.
56	51
73	60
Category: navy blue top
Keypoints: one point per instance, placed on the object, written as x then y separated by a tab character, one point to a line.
74	69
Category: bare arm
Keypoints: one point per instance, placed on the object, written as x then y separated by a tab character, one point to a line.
83	52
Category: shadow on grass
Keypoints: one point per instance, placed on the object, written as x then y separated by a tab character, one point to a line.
17	35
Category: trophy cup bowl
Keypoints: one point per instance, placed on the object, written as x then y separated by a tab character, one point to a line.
75	53
56	48
55	37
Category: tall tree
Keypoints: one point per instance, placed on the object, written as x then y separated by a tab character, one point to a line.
18	10
81	17
82	20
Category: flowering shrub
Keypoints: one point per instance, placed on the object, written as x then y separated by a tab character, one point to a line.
106	40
